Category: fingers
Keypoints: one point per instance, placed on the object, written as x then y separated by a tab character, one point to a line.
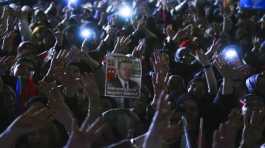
96	125
38	117
62	56
141	44
2	59
160	77
57	62
59	54
127	40
7	60
254	117
257	118
85	124
166	79
164	105
42	114
33	119
152	61
216	137
74	127
55	97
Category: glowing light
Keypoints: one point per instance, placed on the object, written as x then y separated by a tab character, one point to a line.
231	54
72	1
125	12
86	33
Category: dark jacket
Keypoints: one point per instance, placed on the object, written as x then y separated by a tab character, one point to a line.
117	84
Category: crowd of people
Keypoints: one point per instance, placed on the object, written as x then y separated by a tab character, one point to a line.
202	82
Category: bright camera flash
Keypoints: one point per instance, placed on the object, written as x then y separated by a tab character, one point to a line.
86	33
231	54
125	11
72	1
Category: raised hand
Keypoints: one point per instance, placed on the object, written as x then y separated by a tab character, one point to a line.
226	70
254	125
84	136
89	84
182	33
216	44
226	135
59	108
122	44
159	82
160	76
138	50
57	66
6	62
166	124
160	63
141	24
31	120
202	58
171	128
256	43
58	39
208	71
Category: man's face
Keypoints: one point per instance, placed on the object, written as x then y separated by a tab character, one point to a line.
125	71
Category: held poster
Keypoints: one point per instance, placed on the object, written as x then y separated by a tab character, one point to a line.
123	76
